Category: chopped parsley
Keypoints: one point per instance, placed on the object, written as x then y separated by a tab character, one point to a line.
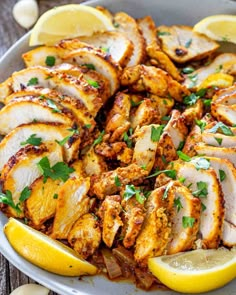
131	191
162	33
99	139
53	106
87	126
193	78
33	140
222	175
165	118
89	66
219	140
203	206
181	145
188	70
201	124
117	181
93	83
183	156
58	171
201	163
221	127
135	104
64	140
33	81
178	204
127	139
188	43
50	61
156	133
169	173
169	185
55	196
201	191
188	221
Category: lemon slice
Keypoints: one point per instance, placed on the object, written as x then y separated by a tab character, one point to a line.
195	271
220	80
220	27
68	21
45	252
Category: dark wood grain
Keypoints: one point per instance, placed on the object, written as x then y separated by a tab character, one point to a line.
10	32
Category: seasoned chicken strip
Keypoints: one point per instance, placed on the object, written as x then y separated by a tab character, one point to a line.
21	169
129	27
182	44
143	78
224	113
204	184
5	89
41	205
145	147
194	112
109	212
72	203
148	28
85	235
229	234
13	141
93	164
218	139
106	184
117	122
226	96
27	110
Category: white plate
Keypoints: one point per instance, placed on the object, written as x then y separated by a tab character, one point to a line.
164	12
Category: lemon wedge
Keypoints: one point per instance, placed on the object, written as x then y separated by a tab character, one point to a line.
195	271
220	80
220	27
68	21
45	252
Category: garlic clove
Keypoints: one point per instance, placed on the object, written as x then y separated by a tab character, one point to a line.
26	13
30	289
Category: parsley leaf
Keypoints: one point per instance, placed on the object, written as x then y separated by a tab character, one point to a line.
64	140
53	106
89	66
87	126
156	132
33	81
165	118
163	33
135	104
99	139
50	61
188	43
201	163
93	83
25	194
8	200
193	78
178	204
222	175
131	191
169	185
201	191
33	140
169	173
55	196
219	140
190	99
181	179
181	145
203	206
201	124
183	156
117	181
127	140
58	171
188	70
188	221
221	127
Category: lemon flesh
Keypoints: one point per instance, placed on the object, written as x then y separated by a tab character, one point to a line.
45	252
68	21
195	271
218	27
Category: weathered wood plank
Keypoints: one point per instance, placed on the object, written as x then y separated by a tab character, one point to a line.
10	32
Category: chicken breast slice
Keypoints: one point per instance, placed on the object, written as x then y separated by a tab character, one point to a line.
212	215
14	140
93	164
148	28
41	205
72	203
109	212
224	113
187	207
21	170
106	185
226	174
5	89
182	44
218	139
229	234
129	27
85	235
224	63
226	96
27	110
145	148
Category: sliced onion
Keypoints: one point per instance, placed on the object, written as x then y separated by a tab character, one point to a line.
113	268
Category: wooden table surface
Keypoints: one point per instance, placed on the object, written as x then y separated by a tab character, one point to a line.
10	31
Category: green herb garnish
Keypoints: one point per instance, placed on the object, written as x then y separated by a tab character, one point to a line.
50	61
33	140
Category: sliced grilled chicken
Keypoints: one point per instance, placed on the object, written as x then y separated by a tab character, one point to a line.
29	109
226	173
93	164
41	205
5	89
143	78
148	28
182	44
100	60
106	185
134	214
229	234
224	63
78	109
145	114
224	113
162	60
226	96
155	233
77	87
115	43
129	27
109	212
145	147
218	139
85	235
212	214
72	203
117	122
190	114
218	152
176	128
163	104
21	169
184	235
18	137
